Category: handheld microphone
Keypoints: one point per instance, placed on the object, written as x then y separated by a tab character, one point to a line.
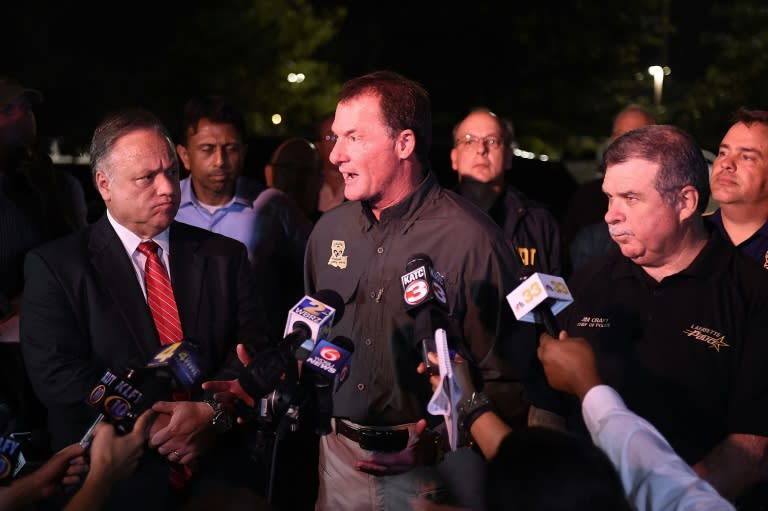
313	316
120	401
178	364
425	299
538	298
331	359
11	459
330	363
308	320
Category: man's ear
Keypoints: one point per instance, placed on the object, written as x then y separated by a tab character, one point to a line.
405	144
688	202
454	157
103	185
183	155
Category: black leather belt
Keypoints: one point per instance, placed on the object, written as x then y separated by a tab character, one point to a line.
382	440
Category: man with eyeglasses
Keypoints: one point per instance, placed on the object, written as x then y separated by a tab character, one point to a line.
679	319
481	153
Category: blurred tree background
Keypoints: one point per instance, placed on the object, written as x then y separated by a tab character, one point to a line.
558	70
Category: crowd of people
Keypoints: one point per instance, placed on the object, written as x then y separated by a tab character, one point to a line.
650	397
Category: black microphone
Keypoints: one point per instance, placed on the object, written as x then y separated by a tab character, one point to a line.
331	361
118	400
425	300
330	364
121	399
308	321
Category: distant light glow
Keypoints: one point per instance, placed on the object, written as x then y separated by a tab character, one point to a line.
528	155
656	71
658	74
296	77
277	119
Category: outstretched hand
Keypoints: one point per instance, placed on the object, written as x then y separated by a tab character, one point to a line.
569	363
230	392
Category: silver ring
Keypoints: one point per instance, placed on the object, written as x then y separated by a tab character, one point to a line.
175	452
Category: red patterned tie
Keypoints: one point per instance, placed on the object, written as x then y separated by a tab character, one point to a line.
166	315
160	295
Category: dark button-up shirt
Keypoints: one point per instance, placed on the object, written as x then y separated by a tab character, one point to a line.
362	259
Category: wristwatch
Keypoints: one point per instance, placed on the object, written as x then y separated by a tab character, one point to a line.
470	409
221	420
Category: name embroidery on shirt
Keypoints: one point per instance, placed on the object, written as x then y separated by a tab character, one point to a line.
594	322
713	338
338	259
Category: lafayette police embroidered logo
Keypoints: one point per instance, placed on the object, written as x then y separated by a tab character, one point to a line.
338	259
713	338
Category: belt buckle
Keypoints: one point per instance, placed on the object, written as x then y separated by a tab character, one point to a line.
383	441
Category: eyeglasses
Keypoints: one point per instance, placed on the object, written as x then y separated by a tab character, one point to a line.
490	142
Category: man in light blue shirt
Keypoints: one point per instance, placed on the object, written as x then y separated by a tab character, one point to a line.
216	197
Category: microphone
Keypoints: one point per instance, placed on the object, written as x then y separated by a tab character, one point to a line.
120	401
308	321
331	359
425	300
178	364
330	363
313	316
538	298
11	459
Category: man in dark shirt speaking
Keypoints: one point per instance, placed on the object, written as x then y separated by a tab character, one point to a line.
396	209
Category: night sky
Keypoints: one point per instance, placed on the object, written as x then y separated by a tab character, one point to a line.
88	57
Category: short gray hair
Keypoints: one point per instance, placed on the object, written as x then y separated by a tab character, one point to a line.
680	160
116	125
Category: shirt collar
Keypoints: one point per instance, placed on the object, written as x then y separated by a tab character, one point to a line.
709	260
131	241
242	194
407	209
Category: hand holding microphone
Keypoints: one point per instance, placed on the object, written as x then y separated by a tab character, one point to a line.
538	299
425	300
569	364
309	321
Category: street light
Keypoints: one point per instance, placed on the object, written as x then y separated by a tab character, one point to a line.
658	74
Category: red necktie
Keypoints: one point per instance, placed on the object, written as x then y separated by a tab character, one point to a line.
160	295
162	304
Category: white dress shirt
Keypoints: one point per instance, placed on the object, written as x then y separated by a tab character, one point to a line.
655	478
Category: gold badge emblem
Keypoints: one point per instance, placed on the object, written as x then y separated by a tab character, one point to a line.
338	259
709	336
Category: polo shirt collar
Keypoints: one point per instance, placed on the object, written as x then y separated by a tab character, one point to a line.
708	261
404	211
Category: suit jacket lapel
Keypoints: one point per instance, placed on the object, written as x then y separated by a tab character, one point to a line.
119	276
187	270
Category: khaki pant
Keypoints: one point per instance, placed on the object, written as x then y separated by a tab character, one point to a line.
343	488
